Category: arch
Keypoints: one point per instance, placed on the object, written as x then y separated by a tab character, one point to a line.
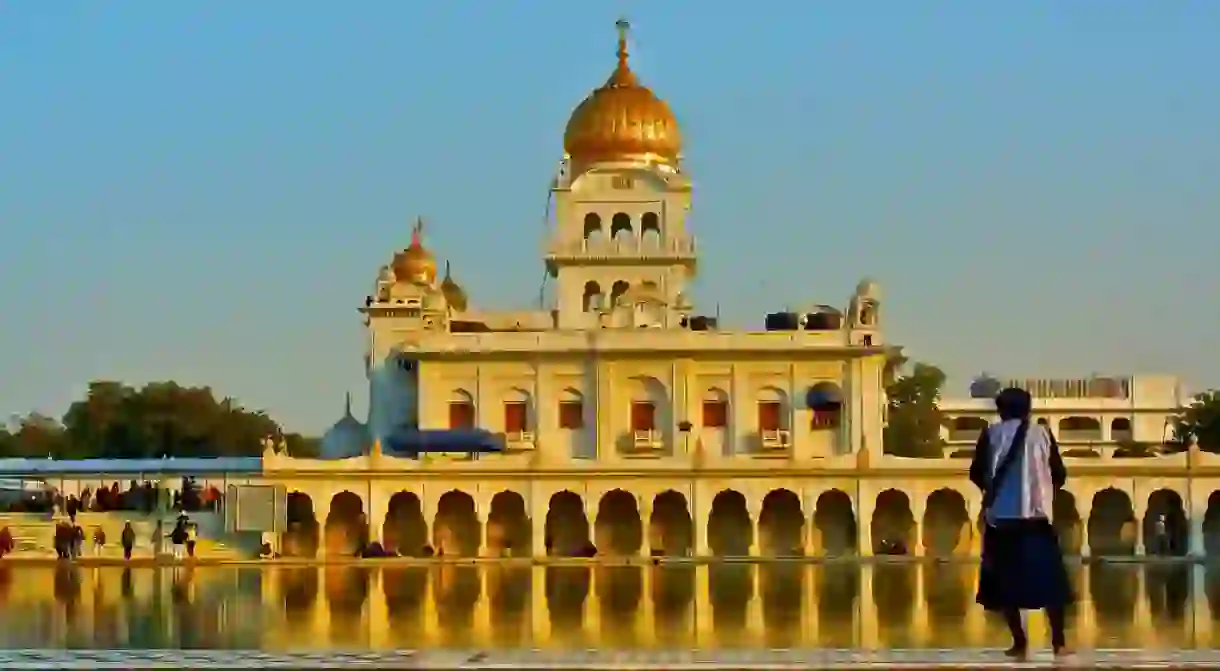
1120	424
671	532
781	524
650	230
509	532
834	517
456	531
617	529
347	590
946	524
591	299
1165	530
301	537
893	523
1112	524
730	531
405	531
1078	424
592	226
617	291
825	400
1065	513
298	589
968	424
571	410
518	411
567	526
461	409
620	226
1211	527
347	527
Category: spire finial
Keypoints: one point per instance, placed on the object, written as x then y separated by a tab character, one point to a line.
347	404
447	270
623	28
417	232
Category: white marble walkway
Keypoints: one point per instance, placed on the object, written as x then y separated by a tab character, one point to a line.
599	660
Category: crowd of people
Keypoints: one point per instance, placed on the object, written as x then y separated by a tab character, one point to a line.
139	497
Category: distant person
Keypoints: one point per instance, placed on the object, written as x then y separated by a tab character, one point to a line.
192	536
1018	468
99	540
6	541
78	539
178	538
158	538
128	539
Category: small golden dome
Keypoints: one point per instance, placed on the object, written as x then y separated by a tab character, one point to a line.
415	263
454	294
622	121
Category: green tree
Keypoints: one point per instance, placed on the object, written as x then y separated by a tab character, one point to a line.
36	436
1201	419
915	419
163	419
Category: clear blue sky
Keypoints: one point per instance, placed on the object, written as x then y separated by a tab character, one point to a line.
204	191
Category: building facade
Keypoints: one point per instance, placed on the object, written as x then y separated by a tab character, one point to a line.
635	425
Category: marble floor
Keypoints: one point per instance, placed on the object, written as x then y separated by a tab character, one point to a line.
596	660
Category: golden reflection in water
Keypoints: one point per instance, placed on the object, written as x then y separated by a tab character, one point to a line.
580	605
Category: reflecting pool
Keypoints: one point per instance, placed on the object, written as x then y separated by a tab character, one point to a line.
385	606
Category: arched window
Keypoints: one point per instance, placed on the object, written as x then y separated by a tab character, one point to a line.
772	415
715	409
571	410
516	412
650	230
461	410
825	399
593	226
592	299
620	287
620	226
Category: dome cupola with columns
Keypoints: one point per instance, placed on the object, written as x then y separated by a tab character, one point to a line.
622	120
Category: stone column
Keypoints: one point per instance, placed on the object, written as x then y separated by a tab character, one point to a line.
644	507
701	512
377	613
754	508
540	615
866	611
321	612
538	534
864	521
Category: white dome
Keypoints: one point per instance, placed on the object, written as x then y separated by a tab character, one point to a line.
347	438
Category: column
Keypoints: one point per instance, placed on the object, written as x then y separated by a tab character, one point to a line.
644	506
754	609
864	521
866	611
482	607
1195	540
701	511
321	612
919	505
376	514
377	613
540	616
754	508
704	633
646	622
919	614
538	535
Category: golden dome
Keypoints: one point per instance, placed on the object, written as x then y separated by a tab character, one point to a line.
454	294
415	263
622	121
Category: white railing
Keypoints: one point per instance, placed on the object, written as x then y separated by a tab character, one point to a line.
684	246
775	439
520	440
649	439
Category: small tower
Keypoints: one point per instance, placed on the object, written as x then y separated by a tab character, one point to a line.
865	310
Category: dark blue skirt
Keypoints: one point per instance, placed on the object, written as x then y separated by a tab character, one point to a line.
1022	567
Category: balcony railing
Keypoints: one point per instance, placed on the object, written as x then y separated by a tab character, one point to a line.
774	439
610	249
1080	436
520	440
646	443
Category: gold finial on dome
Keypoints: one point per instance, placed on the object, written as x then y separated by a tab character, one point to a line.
623	120
415	263
454	294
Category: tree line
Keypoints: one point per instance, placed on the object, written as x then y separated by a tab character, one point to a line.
165	419
160	419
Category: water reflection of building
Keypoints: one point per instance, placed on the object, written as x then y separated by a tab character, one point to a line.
778	605
635	424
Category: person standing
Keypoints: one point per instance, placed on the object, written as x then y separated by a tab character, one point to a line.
128	540
1018	468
